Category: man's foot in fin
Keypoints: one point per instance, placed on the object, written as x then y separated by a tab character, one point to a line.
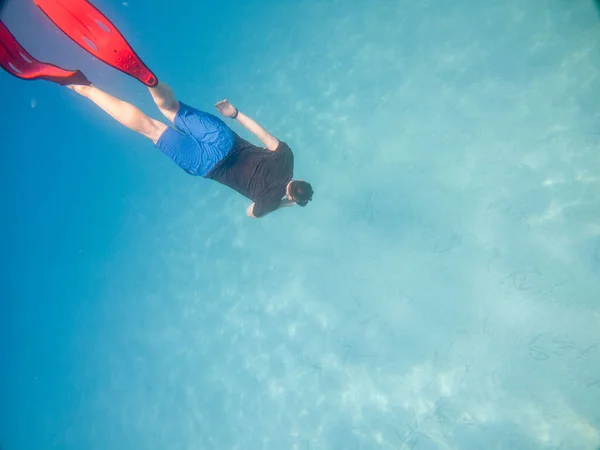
18	62
80	89
96	34
76	79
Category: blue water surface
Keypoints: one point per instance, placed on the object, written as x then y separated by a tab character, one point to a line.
440	292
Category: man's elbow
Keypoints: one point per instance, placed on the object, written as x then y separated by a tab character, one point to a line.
250	211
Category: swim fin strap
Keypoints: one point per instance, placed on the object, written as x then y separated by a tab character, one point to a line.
18	62
95	33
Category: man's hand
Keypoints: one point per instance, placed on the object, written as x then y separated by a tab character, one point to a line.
286	202
226	108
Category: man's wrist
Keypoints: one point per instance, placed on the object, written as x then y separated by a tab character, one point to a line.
236	114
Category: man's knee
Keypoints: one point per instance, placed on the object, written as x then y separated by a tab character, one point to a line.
154	130
170	111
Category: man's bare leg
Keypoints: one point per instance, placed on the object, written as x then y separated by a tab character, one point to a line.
123	112
165	100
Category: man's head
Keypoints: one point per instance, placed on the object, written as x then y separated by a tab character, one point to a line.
300	192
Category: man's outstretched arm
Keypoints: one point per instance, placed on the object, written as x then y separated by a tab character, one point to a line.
228	110
284	204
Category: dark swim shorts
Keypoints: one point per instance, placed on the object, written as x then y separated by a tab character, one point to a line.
200	141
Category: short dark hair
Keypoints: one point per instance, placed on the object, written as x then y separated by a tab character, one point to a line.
301	192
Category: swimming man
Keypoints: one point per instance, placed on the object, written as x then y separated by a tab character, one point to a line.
203	145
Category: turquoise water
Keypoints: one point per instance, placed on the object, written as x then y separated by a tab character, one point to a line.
440	292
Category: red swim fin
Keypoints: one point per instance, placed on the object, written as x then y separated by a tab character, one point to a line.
95	33
18	62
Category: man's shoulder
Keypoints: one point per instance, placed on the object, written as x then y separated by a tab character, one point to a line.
283	147
284	153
